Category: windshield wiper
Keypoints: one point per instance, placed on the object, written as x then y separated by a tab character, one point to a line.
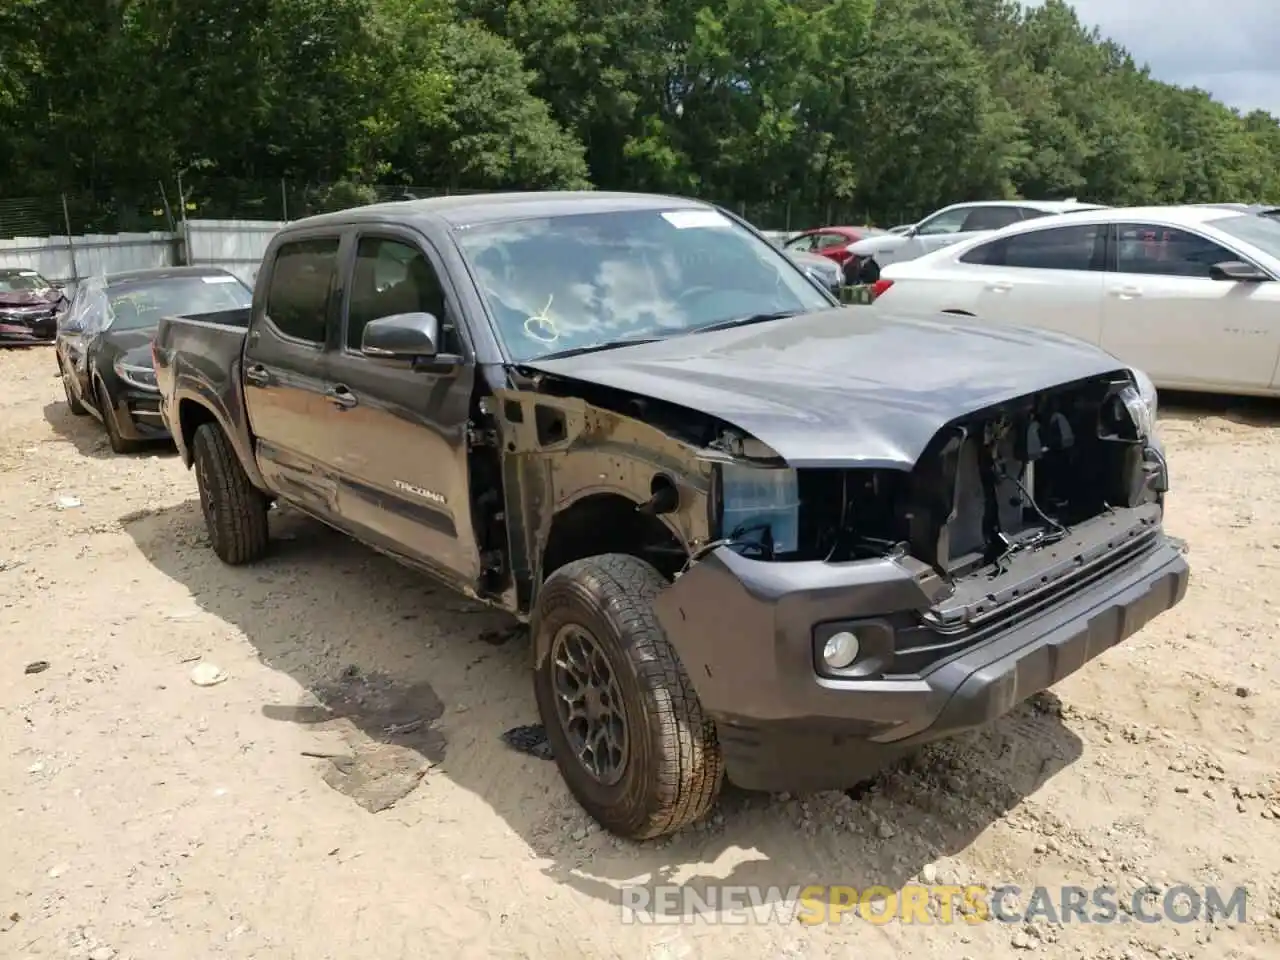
745	321
594	347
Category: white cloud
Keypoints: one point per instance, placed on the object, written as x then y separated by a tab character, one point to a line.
1225	46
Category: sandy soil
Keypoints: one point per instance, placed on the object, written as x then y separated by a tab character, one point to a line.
144	816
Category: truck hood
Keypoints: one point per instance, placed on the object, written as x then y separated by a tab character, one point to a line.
842	387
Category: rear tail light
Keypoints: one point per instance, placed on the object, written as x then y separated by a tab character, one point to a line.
879	287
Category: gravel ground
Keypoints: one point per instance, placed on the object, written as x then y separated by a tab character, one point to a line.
345	792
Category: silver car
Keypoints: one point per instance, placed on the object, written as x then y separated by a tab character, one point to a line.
946	226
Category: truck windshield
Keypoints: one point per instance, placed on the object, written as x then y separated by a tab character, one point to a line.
578	281
135	306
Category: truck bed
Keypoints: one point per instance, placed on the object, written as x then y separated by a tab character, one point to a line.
199	357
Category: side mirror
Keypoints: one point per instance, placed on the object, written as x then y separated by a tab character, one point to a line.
402	336
1237	270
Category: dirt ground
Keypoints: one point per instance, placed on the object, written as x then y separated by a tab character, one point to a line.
345	792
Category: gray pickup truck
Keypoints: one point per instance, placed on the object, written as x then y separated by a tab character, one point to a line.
755	534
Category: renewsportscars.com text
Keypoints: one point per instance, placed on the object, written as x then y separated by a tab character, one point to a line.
930	904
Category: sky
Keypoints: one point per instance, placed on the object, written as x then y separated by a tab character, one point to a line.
1224	46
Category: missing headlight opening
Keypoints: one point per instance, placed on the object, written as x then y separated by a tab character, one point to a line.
996	484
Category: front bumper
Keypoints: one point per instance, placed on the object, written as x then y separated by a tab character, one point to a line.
138	416
23	330
745	631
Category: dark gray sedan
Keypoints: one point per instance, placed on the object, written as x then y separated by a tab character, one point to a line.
104	343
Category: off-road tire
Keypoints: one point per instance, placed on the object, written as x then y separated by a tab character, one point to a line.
674	770
105	407
235	511
73	403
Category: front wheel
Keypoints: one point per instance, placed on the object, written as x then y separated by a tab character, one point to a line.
235	511
624	724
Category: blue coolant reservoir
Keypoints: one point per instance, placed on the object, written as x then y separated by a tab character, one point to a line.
760	501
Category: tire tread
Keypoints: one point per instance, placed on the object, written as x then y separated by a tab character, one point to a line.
239	533
689	767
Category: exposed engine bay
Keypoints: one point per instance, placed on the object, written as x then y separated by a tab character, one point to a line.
995	485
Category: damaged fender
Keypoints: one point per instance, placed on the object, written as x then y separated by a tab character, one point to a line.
561	451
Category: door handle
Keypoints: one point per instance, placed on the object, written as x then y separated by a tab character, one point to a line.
1000	286
341	396
257	375
1128	293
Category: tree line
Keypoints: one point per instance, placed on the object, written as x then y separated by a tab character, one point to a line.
888	108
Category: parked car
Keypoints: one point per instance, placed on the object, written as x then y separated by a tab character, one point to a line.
104	343
1257	209
867	258
1189	294
823	269
830	242
29	307
755	534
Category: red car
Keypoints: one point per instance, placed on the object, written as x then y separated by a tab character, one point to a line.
29	307
830	241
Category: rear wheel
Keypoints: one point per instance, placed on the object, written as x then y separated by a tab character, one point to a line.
108	410
235	511
625	726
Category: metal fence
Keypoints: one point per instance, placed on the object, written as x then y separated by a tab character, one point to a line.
228	223
161	205
236	246
68	260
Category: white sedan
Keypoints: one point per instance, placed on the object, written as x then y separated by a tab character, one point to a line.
1188	294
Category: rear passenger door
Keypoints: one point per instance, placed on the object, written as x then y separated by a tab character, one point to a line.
294	311
1051	279
398	434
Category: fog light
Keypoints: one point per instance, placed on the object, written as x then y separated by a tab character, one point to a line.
840	650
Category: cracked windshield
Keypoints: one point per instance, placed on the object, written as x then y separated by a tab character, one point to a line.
591	280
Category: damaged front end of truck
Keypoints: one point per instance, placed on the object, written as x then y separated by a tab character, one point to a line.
794	584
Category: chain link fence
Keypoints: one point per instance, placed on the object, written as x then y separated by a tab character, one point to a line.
162	205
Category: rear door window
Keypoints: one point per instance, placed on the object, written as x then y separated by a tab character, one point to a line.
302	287
1060	248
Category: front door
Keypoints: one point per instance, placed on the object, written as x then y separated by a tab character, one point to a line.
1164	313
398	435
284	369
